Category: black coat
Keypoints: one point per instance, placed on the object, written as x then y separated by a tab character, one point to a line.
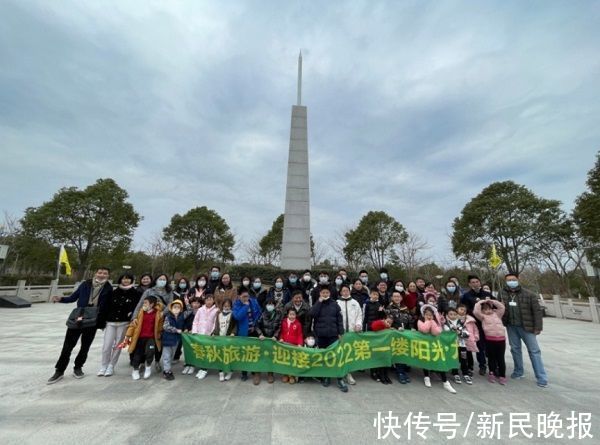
327	319
371	312
121	304
470	298
316	292
362	297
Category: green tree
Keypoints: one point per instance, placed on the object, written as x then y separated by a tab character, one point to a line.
587	214
97	218
201	235
270	244
509	215
374	239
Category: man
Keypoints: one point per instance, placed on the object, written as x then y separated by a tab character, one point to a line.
323	283
94	293
302	309
523	321
328	326
420	282
344	274
215	279
385	276
469	299
363	275
384	296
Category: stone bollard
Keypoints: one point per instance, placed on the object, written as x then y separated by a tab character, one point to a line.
21	288
557	308
594	310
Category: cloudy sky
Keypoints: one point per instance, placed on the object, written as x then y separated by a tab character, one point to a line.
413	107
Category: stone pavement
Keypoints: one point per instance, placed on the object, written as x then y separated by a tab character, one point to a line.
107	410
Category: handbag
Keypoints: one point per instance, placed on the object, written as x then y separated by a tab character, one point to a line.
89	314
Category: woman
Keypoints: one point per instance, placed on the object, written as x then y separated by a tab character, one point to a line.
244	284
279	293
359	292
145	283
225	291
258	292
200	289
120	306
182	289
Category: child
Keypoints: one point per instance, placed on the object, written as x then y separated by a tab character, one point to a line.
428	324
195	303
224	325
402	319
269	326
351	316
373	310
204	323
455	324
495	339
471	341
246	312
291	332
380	325
172	329
144	335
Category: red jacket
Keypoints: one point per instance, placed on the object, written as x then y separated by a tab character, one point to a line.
379	325
410	300
292	332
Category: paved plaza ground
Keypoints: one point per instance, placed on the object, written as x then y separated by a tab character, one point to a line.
107	410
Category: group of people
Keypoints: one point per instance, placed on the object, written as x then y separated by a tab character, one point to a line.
148	320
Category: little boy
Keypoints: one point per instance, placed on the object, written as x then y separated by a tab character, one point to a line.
172	328
144	336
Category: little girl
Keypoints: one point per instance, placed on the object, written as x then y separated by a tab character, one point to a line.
204	323
495	339
225	325
195	303
291	332
470	342
455	324
428	324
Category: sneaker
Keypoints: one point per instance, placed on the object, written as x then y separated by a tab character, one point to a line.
468	380
325	381
403	378
491	378
228	376
110	370
482	371
147	372
201	374
502	380
350	380
185	370
191	370
342	385
516	376
101	372
55	378
457	379
221	377
135	375
78	373
542	384
168	375
448	387
427	382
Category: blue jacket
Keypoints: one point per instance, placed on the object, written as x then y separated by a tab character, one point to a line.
170	336
240	313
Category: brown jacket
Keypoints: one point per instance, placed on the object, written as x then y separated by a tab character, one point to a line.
223	294
135	327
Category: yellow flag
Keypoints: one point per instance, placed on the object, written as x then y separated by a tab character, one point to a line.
64	259
495	260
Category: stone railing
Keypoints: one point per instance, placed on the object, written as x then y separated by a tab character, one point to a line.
572	309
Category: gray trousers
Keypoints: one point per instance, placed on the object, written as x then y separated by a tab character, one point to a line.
114	333
167	357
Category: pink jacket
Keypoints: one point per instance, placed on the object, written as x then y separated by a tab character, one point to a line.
473	338
429	327
491	324
204	320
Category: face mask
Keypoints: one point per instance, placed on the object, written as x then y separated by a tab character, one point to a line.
215	275
306	278
450	289
257	285
202	283
310	342
279	285
400	288
512	284
324	280
339	281
100	281
293	280
270	307
182	285
176	311
383	276
365	280
325	298
245	283
161	283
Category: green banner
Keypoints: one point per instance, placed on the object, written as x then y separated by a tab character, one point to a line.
355	351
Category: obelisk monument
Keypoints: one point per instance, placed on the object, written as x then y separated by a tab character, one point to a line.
295	249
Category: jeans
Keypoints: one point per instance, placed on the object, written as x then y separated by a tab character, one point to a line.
114	333
515	335
71	338
168	352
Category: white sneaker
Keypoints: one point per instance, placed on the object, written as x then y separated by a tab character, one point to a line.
350	380
228	375
135	375
110	370
147	372
221	377
101	372
185	370
201	374
427	381
457	379
448	387
191	370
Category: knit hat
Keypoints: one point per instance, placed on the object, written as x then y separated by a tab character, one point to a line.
433	308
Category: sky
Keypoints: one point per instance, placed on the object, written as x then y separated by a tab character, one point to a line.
413	106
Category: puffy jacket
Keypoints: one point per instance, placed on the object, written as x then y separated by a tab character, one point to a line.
292	332
529	306
327	319
302	315
160	294
492	323
280	297
135	327
452	300
121	304
224	324
240	313
372	310
170	336
352	316
360	296
204	320
429	327
316	292
402	316
471	341
223	293
260	295
470	298
269	324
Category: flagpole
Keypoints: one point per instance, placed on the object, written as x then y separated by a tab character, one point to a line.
58	265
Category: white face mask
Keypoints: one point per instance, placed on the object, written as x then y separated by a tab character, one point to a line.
202	283
400	288
245	283
270	307
310	342
161	283
306	278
